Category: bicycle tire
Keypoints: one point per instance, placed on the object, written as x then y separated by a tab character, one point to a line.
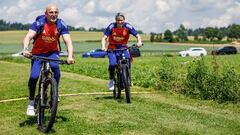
47	105
126	82
119	84
117	89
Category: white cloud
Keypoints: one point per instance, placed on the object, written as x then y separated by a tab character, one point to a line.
149	16
227	18
162	6
89	7
24	4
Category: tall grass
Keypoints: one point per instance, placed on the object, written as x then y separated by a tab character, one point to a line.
206	84
200	81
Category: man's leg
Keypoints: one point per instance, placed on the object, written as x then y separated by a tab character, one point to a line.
56	70
35	72
111	69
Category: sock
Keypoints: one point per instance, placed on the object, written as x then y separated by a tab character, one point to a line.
31	102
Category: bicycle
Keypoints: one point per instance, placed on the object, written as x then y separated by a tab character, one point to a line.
122	75
46	101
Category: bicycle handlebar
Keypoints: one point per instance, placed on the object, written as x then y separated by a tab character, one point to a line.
122	49
48	59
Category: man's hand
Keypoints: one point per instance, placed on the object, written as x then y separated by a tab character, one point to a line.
104	49
139	45
70	60
26	53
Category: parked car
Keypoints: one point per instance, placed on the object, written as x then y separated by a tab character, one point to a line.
97	53
225	50
194	51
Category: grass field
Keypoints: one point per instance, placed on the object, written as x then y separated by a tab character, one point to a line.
11	42
16	37
150	113
86	107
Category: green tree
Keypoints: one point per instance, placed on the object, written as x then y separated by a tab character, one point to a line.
234	31
182	33
152	37
168	36
220	35
210	33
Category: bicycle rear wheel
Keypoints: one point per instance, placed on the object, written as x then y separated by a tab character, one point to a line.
126	82
47	105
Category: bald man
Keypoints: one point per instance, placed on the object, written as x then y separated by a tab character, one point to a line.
45	32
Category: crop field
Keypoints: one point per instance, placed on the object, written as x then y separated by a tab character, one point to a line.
11	42
87	107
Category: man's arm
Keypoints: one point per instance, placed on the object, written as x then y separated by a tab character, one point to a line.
104	38
68	42
26	52
139	40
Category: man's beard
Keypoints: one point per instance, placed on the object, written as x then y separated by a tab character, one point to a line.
53	19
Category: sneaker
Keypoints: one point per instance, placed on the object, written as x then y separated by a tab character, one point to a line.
111	85
58	99
30	108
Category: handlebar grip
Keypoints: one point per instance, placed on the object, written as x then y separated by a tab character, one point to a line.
62	62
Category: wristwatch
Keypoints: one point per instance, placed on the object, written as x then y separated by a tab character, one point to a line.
25	49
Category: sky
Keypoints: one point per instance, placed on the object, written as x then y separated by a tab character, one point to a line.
146	15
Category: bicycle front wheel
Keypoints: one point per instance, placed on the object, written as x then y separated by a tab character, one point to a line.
47	105
117	85
126	82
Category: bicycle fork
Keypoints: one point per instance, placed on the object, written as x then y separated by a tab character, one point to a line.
43	88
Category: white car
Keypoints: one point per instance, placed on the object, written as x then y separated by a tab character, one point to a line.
194	51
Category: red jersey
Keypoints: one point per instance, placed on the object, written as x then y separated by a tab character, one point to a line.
118	36
47	40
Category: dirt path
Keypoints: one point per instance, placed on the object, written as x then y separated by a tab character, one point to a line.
191	44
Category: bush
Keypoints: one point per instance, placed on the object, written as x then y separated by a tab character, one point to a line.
205	84
168	79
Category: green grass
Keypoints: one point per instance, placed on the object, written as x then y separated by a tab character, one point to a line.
16	37
153	113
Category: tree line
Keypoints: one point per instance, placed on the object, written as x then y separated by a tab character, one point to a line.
212	34
232	32
4	26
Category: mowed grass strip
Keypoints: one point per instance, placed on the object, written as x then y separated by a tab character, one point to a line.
148	114
156	113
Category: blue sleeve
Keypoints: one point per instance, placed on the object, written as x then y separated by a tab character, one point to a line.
34	27
108	30
131	29
64	28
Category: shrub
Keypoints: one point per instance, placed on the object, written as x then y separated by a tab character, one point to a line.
205	84
168	79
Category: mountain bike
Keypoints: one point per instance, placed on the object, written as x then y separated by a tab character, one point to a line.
122	75
46	101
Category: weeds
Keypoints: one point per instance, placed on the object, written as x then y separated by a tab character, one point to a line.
203	83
